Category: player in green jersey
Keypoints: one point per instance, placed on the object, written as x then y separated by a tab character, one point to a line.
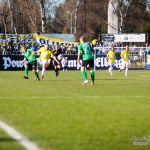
23	51
30	60
87	51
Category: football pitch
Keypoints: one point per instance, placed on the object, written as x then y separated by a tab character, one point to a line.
62	114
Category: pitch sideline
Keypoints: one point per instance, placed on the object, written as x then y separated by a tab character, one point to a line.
21	139
72	97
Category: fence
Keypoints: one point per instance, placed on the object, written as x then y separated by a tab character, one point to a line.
139	56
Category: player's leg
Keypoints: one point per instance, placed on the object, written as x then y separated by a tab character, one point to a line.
34	68
91	64
57	68
126	69
39	65
92	75
121	65
110	68
83	71
43	67
26	72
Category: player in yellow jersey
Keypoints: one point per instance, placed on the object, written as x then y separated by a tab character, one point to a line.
111	56
125	56
45	55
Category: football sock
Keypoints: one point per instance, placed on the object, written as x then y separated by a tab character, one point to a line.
57	72
126	72
84	74
43	70
36	74
26	72
110	70
92	76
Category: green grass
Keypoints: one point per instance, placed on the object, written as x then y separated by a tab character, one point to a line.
62	114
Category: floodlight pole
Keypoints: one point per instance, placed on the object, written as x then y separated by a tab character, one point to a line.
71	14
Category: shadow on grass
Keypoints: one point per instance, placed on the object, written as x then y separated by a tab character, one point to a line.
5	139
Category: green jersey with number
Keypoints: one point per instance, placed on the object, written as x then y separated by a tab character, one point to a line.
87	50
29	55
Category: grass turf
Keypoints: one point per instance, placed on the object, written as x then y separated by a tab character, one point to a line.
62	114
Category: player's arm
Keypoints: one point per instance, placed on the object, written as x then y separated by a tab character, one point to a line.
56	60
25	59
107	55
38	51
51	55
131	58
79	53
115	55
33	54
92	49
122	55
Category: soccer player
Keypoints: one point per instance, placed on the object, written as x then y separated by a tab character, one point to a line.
58	55
87	51
125	55
25	61
45	55
111	56
30	59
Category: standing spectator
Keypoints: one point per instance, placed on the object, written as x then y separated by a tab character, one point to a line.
134	49
69	49
64	63
141	54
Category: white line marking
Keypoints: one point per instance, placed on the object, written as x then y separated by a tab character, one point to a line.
28	145
72	97
146	76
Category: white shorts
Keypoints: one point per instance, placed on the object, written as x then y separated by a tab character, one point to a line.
42	63
125	63
111	63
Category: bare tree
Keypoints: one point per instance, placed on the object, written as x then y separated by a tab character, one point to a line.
65	17
32	15
4	13
43	14
120	9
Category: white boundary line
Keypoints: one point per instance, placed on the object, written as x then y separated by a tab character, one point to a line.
146	76
71	97
28	145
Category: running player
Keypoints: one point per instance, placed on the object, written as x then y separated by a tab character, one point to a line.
87	51
30	60
125	55
58	54
45	55
111	56
25	62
